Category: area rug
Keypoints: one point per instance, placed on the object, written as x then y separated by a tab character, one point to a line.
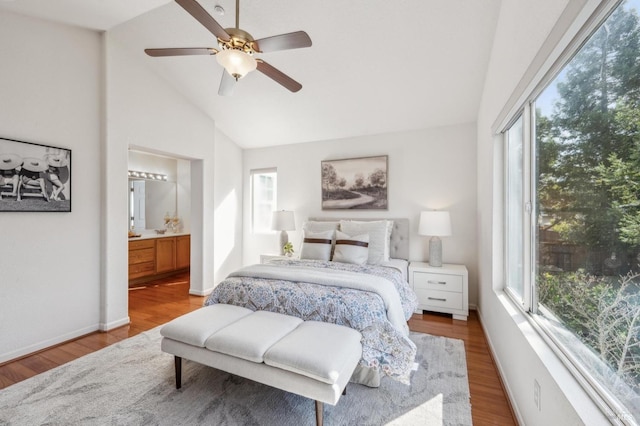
133	383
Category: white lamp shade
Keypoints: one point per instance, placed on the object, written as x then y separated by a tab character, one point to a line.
435	224
236	62
283	220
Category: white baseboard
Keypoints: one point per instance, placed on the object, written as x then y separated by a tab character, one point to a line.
114	324
496	360
204	292
8	356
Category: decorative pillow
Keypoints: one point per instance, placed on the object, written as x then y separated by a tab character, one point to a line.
351	249
379	233
316	245
320	226
317	226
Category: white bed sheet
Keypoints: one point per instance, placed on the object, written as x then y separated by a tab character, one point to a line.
401	264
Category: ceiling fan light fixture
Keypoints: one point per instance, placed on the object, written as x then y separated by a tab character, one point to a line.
236	48
236	62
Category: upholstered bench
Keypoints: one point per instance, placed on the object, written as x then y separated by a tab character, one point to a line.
308	358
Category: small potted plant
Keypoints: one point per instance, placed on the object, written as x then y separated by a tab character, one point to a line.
288	249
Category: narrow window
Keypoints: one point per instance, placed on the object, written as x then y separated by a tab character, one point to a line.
264	184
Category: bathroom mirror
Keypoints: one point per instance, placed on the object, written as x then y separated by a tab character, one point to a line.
149	201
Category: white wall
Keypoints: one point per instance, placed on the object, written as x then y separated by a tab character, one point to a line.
50	262
528	36
227	207
144	162
65	274
428	169
183	181
165	123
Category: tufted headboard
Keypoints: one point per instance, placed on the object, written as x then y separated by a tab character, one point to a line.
399	248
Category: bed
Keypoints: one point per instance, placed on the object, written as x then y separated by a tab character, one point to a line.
374	299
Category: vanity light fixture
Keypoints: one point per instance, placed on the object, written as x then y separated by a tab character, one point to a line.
147	175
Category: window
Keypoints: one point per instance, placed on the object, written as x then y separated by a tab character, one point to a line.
583	194
515	216
264	184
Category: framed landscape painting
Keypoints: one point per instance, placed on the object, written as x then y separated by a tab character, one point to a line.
34	177
355	183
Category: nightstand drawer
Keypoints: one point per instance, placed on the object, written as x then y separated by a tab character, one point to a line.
437	282
440	299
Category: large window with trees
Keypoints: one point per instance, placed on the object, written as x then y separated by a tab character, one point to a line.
584	237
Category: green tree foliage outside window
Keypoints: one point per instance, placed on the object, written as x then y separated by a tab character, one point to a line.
588	200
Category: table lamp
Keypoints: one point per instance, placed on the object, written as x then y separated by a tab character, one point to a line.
435	224
283	220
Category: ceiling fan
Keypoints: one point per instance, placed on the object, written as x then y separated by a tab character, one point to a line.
237	48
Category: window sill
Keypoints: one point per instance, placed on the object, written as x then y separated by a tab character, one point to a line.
557	371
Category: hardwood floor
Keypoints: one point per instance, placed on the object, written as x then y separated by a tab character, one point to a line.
489	404
163	300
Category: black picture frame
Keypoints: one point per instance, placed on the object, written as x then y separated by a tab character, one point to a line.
34	177
355	183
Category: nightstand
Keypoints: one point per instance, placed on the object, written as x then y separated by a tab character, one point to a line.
264	258
441	289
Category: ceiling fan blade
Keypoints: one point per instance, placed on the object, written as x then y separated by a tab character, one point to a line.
227	84
202	16
181	51
293	40
278	76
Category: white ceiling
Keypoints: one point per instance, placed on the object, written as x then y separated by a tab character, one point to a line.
375	66
93	14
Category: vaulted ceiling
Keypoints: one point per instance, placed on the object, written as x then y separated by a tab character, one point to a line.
374	67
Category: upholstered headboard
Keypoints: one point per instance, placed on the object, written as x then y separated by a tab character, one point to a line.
399	248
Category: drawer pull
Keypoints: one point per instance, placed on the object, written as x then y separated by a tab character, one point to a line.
437	282
437	298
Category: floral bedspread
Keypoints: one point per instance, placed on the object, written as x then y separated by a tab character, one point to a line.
386	348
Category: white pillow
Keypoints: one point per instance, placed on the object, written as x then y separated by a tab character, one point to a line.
379	233
316	245
319	226
351	249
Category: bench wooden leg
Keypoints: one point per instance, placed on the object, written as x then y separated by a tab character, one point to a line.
178	364
318	413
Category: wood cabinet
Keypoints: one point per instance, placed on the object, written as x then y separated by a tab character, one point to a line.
441	289
155	257
165	254
142	258
183	251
